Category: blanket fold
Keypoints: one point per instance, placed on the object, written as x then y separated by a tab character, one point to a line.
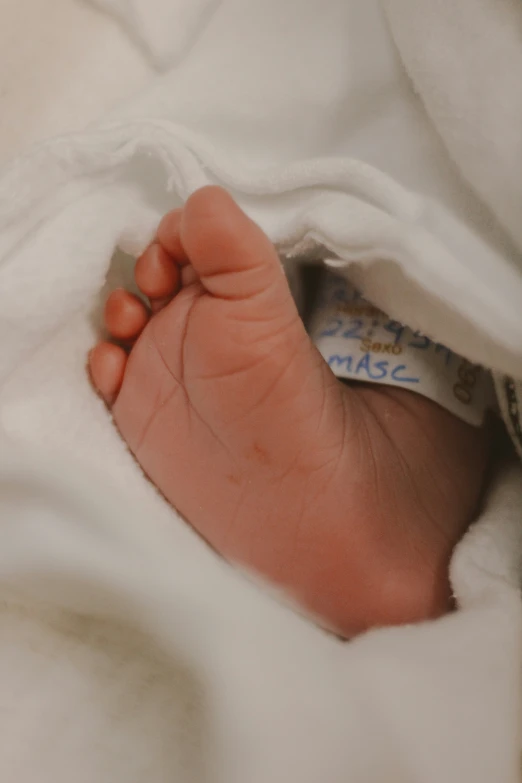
165	30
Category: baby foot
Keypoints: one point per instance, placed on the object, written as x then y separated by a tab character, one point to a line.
351	498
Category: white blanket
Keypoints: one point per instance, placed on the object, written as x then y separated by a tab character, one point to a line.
129	651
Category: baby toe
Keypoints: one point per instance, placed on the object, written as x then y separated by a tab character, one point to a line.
125	315
168	236
107	364
157	274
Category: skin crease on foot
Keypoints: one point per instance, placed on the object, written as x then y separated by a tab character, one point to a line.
349	497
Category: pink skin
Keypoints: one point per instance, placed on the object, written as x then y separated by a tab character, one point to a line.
351	498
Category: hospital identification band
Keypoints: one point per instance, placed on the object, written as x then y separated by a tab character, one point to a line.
361	343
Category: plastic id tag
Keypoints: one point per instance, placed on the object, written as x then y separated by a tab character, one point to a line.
361	343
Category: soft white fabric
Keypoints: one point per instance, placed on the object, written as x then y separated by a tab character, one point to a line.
465	60
63	65
192	673
165	29
231	687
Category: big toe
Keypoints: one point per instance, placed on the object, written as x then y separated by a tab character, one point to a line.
232	256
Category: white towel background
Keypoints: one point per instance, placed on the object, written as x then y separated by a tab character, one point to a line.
129	651
63	66
164	29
